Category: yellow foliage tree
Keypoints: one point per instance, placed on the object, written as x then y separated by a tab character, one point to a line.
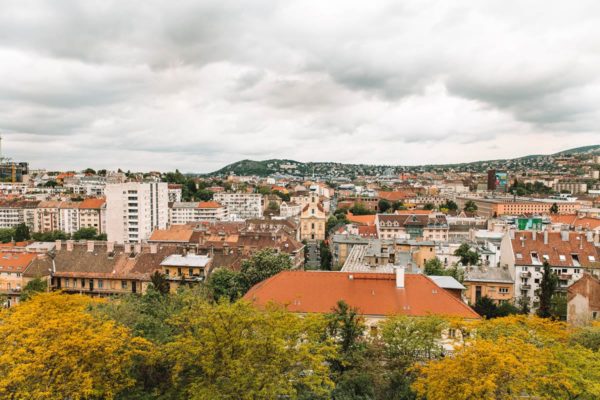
235	351
511	358
51	348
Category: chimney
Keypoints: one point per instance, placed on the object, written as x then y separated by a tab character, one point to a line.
127	248
90	246
512	233
564	236
545	237
137	249
110	247
399	277
69	245
58	245
153	248
534	235
589	235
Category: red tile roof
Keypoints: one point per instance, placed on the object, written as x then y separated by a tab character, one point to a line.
209	204
372	293
93	203
395	196
361	219
15	262
524	244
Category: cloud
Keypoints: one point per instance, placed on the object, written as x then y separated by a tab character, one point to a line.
195	85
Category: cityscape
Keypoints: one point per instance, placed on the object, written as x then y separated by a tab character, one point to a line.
299	200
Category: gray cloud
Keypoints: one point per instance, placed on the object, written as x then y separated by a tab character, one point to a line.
197	84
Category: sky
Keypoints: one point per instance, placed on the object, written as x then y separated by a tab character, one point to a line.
195	85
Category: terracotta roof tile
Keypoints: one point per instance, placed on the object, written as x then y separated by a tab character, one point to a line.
371	293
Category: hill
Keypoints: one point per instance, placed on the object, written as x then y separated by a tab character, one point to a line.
332	169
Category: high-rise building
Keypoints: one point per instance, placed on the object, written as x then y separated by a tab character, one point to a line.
134	210
497	180
241	206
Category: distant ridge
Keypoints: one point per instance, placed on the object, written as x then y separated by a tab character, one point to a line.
297	168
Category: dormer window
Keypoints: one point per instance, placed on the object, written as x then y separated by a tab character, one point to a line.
575	258
561	257
519	256
592	258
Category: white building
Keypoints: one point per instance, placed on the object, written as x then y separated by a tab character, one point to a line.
175	192
134	210
289	210
186	212
241	205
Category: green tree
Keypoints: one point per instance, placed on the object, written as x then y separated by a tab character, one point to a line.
433	266
7	234
359	208
85	234
398	205
450	205
429	206
326	256
32	287
467	256
160	283
22	233
89	171
554	208
262	265
346	327
51	236
546	291
470	206
383	205
223	283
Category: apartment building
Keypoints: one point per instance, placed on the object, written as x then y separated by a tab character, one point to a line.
47	216
571	187
16	212
181	213
241	206
289	210
415	226
92	214
135	209
569	254
175	192
495	207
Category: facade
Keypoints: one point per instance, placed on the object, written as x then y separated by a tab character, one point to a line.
416	226
92	214
241	206
495	207
175	192
313	220
583	301
185	212
48	216
571	187
494	282
289	210
185	269
12	267
13	213
134	210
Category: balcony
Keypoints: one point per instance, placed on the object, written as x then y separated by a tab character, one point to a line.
525	286
525	274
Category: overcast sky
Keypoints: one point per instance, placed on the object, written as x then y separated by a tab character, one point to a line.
195	85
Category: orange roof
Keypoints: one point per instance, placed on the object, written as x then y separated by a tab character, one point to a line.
176	233
15	262
395	196
371	293
367	231
209	204
574	221
11	244
557	251
361	219
93	203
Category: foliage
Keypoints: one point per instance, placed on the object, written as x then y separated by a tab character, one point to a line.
326	256
554	208
32	287
546	291
398	205
51	236
524	189
262	265
433	266
223	284
467	256
470	206
235	351
383	205
6	234
359	208
450	205
22	233
54	349
88	234
487	308
429	206
160	283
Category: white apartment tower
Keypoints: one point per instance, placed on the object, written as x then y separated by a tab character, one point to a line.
241	206
134	210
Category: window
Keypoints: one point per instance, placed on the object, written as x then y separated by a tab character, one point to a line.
123	284
191	271
503	290
575	258
100	284
561	257
67	283
592	258
519	256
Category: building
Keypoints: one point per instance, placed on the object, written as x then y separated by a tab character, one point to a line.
569	254
185	269
185	212
12	281
16	212
134	210
497	181
583	301
48	216
415	226
241	206
571	187
175	192
289	210
313	220
375	295
495	283
92	214
498	206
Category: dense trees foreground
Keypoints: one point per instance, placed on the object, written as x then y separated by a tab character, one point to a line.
187	346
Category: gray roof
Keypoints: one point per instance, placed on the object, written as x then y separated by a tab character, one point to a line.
491	274
446	282
189	260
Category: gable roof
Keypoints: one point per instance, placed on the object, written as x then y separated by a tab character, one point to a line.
92	203
525	243
361	219
372	293
15	262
